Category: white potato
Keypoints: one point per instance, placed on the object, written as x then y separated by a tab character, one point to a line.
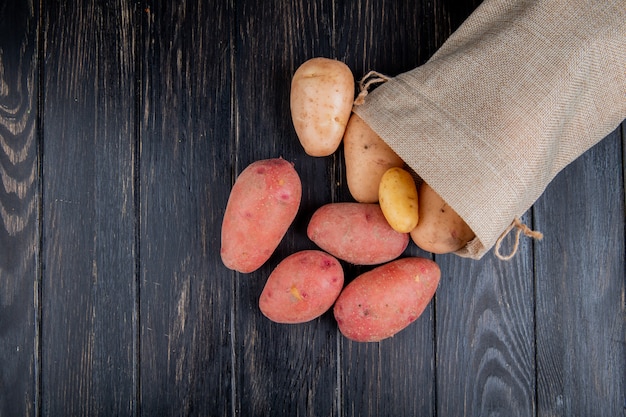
440	228
367	158
322	93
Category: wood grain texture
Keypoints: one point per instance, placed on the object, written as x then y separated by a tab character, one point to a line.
484	314
186	143
88	284
395	377
280	369
485	336
19	207
581	349
123	126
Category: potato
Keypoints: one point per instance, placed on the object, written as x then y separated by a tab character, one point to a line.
322	92
440	228
356	232
302	287
381	302
367	157
262	205
397	195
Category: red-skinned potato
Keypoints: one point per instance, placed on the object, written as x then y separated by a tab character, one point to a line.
356	232
381	302
322	92
440	228
302	287
262	205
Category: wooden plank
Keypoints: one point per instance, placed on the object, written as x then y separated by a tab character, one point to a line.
395	377
186	142
485	335
20	200
485	318
88	286
281	370
483	311
580	287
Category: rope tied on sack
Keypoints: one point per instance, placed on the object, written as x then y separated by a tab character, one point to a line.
366	82
520	228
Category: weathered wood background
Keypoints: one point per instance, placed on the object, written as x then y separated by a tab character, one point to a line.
122	127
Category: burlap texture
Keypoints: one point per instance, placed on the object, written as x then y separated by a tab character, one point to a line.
519	91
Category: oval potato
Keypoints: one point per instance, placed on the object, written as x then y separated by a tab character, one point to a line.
322	93
367	157
302	287
356	232
440	228
397	196
381	302
262	205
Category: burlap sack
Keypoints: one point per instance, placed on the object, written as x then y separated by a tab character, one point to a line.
519	91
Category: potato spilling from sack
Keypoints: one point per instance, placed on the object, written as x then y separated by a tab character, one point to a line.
390	211
367	158
322	92
262	205
381	302
440	228
397	196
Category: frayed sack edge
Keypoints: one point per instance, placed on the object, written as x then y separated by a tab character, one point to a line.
474	248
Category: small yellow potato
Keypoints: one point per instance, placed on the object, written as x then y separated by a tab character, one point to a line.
367	158
322	92
440	228
397	196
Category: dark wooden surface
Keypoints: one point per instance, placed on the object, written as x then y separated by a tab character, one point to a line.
122	127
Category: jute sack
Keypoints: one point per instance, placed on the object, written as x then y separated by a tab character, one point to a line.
519	91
